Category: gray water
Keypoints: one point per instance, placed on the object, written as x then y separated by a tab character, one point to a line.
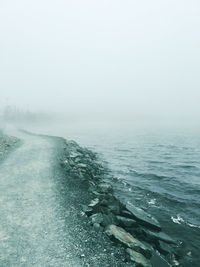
159	170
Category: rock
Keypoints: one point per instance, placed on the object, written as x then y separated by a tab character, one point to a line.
158	261
91	189
138	258
160	236
94	202
81	165
114	205
109	219
128	240
123	221
96	226
88	210
143	218
104	202
126	213
77	160
164	248
97	218
73	155
105	188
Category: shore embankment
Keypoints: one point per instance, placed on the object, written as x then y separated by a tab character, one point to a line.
57	200
129	228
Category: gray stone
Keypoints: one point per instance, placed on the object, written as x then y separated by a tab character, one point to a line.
164	248
96	226
143	218
114	205
126	221
81	165
126	213
159	235
77	160
88	210
109	219
74	155
128	240
104	202
94	202
138	258
105	188
158	261
97	218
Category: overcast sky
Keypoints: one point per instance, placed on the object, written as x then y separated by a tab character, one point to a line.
123	57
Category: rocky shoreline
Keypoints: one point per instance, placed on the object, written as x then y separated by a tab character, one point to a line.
137	232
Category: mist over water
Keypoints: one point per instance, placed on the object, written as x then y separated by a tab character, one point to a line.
111	60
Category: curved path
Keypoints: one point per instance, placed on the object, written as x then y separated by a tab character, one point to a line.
41	222
31	229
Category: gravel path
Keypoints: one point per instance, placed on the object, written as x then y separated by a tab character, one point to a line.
41	221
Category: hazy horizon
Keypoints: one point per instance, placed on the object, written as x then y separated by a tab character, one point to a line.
109	59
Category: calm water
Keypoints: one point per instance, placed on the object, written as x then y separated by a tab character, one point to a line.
157	170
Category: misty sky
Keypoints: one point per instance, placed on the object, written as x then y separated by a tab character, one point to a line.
140	58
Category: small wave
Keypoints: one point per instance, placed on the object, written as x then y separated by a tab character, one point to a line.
180	220
186	166
149	175
123	150
177	220
193	225
193	191
156	162
152	201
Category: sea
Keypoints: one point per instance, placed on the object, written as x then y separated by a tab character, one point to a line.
155	168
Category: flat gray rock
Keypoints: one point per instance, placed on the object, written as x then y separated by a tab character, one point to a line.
105	188
138	258
94	202
164	248
126	221
161	236
143	217
158	261
128	240
97	218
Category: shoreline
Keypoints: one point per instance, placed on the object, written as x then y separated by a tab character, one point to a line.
124	234
135	231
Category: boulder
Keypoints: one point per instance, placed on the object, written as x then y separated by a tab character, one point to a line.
109	219
97	218
104	202
88	210
143	217
138	258
158	261
126	222
73	155
114	205
82	165
164	248
105	188
128	240
94	202
97	226
160	236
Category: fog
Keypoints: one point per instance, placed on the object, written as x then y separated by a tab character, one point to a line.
116	60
